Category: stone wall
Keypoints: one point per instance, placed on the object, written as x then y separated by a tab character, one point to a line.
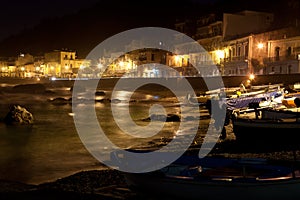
197	83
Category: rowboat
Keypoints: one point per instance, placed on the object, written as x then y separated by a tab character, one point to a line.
291	100
268	126
267	131
262	98
218	178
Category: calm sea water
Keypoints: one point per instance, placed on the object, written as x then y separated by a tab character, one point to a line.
52	148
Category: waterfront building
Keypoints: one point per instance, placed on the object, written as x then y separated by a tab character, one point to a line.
246	42
283	56
64	63
4	69
238	44
25	65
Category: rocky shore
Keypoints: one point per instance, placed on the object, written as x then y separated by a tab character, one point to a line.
93	185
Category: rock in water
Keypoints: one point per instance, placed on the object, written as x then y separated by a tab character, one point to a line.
18	115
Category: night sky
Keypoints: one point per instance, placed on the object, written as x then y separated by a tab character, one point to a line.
36	26
16	15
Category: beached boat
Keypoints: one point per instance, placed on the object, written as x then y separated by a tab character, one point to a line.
218	178
268	126
262	98
280	113
291	100
267	131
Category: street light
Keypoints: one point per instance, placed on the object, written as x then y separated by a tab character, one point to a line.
251	77
260	45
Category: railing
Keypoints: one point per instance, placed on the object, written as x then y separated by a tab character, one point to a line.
234	59
279	58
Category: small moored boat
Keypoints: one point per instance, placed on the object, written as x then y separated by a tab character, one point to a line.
269	126
217	178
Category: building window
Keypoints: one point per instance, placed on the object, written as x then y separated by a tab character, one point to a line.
289	69
277	50
273	69
246	50
238	51
152	57
280	69
289	52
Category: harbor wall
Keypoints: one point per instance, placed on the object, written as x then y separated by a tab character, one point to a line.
198	83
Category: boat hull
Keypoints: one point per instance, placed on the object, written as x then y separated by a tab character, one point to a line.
219	178
187	189
279	131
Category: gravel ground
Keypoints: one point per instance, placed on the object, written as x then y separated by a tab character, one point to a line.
96	184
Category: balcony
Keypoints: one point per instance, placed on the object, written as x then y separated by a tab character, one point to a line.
234	59
280	59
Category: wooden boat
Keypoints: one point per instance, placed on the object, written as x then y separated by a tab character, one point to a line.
268	126
280	113
267	131
218	178
264	98
291	100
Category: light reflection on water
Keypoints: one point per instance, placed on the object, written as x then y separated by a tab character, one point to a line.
48	150
52	149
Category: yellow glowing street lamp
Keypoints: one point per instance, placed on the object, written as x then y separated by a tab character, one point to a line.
177	58
100	66
121	64
220	54
251	77
260	45
81	67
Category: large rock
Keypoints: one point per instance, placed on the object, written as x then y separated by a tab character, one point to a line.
163	118
18	115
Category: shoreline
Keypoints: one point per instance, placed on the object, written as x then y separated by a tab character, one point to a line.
91	184
198	83
106	184
109	183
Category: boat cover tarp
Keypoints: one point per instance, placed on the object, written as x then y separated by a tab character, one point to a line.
243	102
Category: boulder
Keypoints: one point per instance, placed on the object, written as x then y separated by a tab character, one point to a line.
18	115
60	101
159	117
100	93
